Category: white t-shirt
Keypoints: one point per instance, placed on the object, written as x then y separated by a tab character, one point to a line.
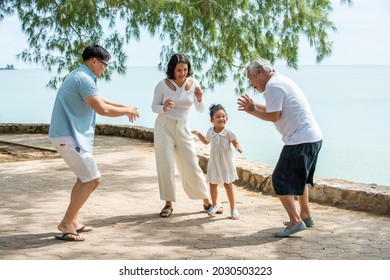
182	98
296	124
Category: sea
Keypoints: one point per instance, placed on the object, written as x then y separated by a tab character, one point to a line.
351	105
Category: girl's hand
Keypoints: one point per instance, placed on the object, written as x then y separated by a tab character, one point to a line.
200	136
237	146
168	104
198	94
195	132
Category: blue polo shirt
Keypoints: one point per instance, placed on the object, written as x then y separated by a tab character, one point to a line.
72	116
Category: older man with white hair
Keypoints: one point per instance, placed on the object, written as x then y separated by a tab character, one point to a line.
286	106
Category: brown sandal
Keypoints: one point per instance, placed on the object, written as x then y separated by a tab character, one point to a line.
207	207
166	211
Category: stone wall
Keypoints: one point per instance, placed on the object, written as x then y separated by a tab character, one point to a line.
256	176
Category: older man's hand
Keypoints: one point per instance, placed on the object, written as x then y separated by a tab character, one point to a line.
245	103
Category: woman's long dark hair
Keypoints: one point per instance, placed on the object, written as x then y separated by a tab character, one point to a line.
175	59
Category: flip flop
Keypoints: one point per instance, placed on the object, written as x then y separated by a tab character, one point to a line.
65	237
84	229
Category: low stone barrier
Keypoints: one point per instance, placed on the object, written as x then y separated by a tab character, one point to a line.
256	176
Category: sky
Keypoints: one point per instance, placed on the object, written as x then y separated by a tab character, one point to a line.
362	38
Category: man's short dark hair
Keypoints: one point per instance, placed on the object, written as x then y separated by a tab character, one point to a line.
96	51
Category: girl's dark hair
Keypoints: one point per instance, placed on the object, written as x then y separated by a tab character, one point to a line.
215	108
96	51
175	59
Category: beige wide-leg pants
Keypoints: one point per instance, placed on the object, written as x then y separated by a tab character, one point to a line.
173	141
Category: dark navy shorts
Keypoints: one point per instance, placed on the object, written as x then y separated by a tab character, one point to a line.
295	168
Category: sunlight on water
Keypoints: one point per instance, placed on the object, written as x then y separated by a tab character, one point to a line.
351	104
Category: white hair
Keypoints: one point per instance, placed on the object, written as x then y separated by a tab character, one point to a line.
259	64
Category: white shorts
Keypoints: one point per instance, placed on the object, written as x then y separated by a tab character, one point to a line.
80	162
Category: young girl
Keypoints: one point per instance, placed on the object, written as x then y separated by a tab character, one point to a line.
221	168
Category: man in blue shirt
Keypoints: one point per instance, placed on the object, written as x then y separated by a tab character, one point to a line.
72	130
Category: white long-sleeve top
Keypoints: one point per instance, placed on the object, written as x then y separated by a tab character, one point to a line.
182	98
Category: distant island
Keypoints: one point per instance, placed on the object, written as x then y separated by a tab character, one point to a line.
8	67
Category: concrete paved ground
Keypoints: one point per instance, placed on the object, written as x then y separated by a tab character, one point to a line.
124	213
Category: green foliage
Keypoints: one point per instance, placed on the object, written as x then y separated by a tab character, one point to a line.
219	36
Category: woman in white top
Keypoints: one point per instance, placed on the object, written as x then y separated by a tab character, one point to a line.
173	141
